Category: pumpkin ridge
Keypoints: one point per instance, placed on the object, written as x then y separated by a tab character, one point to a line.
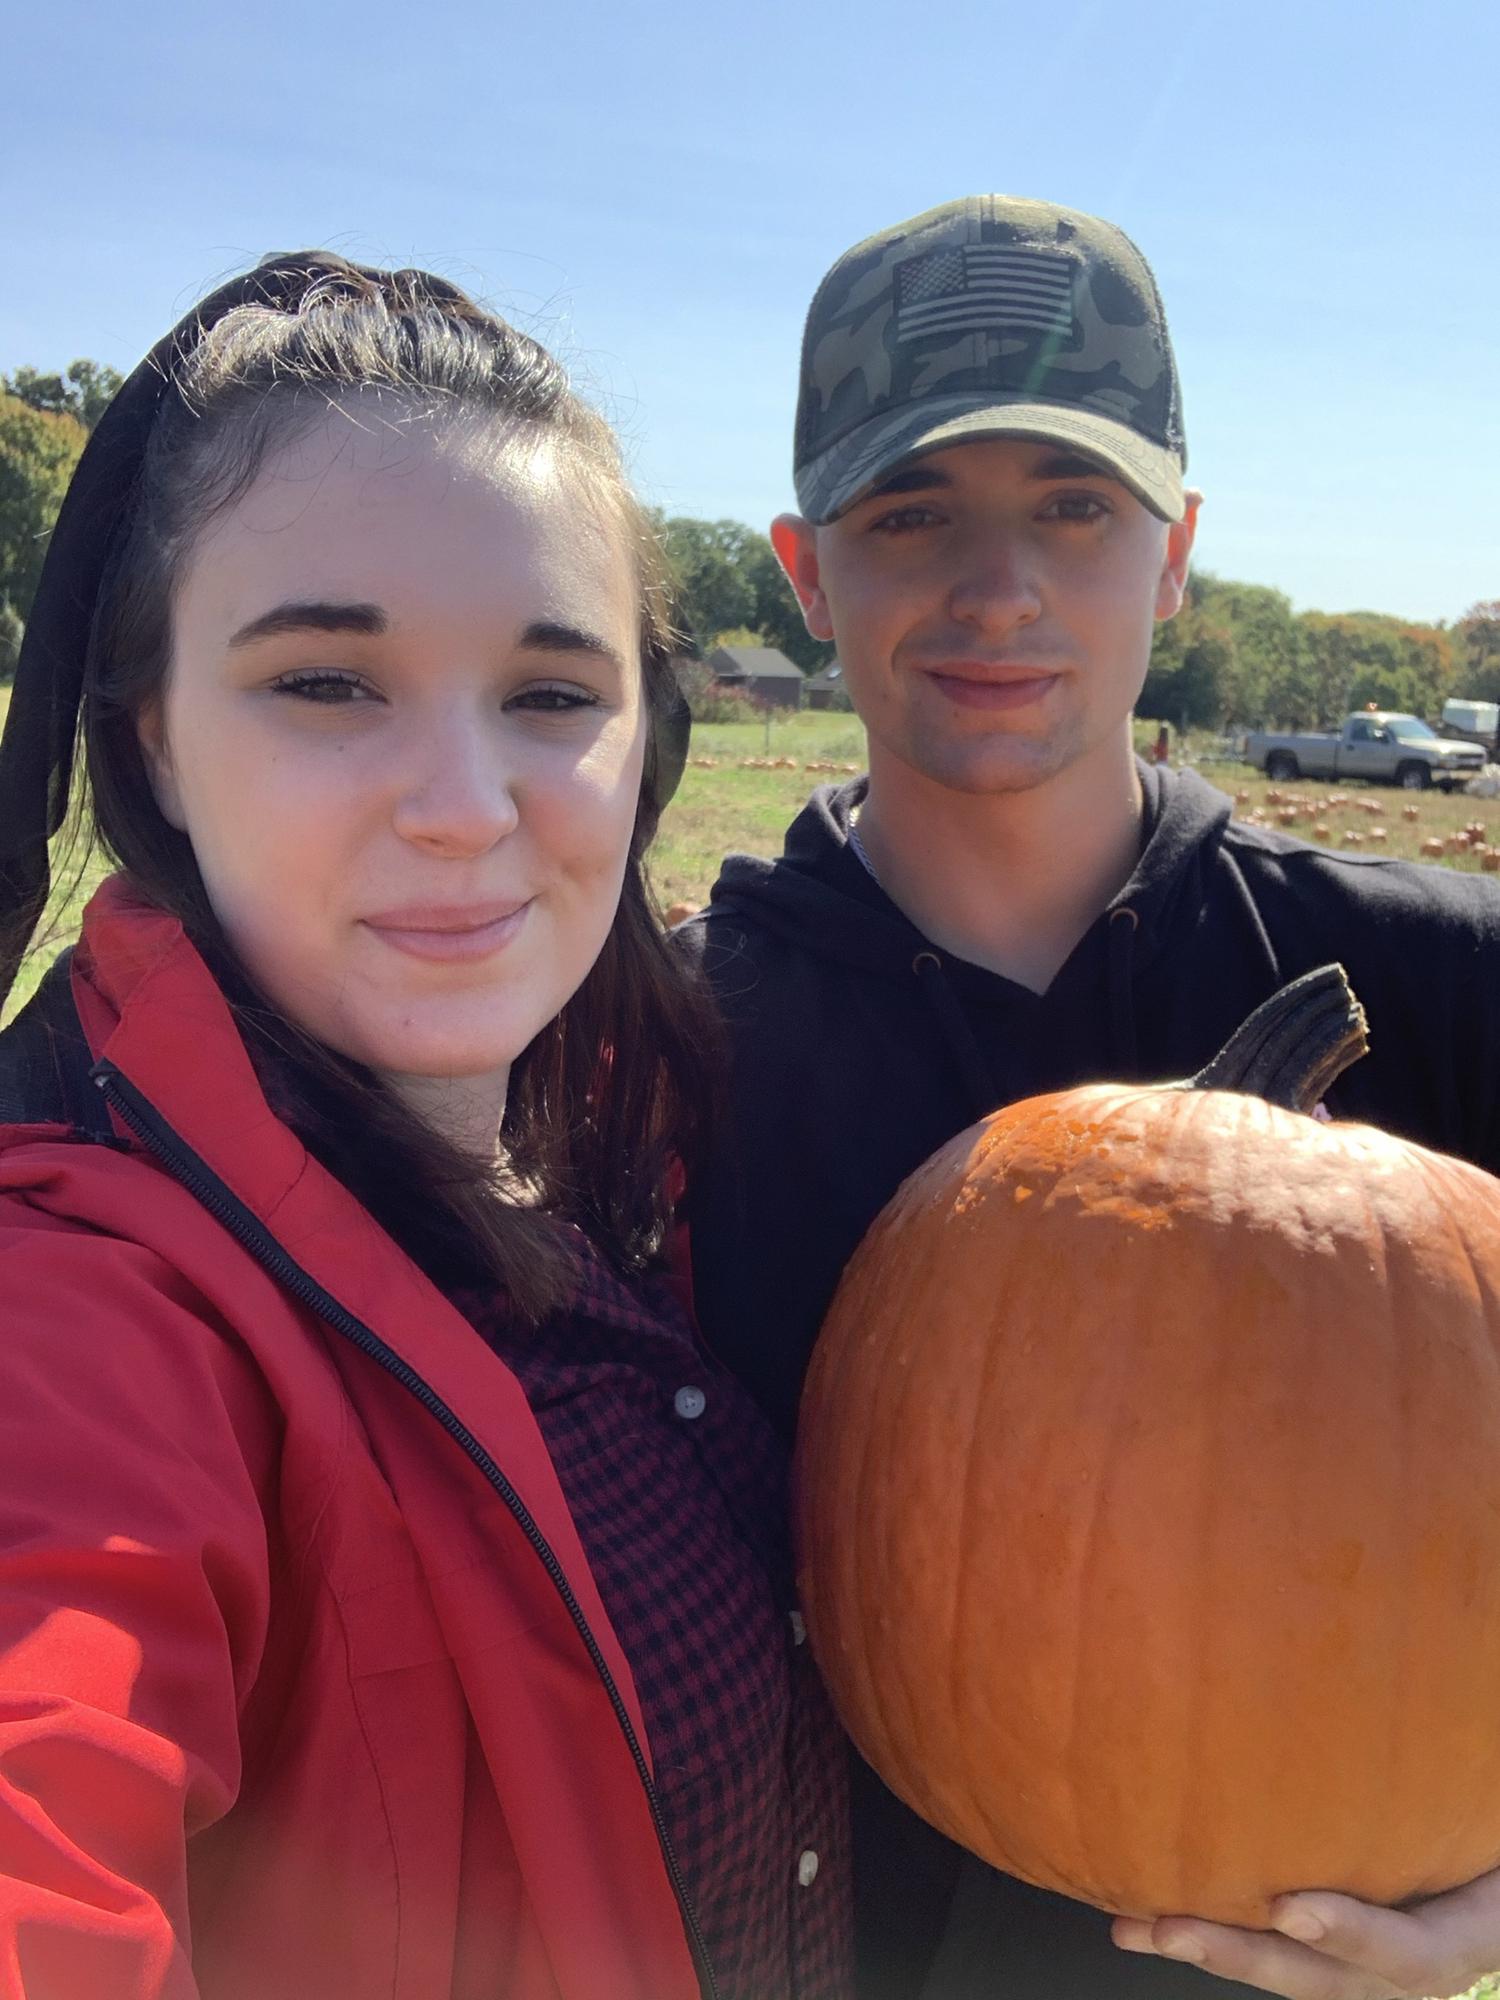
1448	1868
899	1704
1086	1571
878	1389
960	1610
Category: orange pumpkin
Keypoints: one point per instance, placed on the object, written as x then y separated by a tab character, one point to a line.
1149	1491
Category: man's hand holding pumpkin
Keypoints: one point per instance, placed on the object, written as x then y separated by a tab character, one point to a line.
1329	1947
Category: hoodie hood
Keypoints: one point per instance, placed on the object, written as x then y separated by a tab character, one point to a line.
820	895
819	892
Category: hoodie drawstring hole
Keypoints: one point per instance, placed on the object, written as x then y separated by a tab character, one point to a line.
1122	1030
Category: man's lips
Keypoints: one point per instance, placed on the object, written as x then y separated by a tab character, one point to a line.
449	931
975	684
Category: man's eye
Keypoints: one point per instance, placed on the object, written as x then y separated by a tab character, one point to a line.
903	520
1075	507
324	686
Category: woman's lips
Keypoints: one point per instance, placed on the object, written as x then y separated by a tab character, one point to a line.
993	691
447	935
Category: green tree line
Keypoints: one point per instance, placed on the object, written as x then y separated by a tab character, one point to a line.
728	587
1236	654
44	423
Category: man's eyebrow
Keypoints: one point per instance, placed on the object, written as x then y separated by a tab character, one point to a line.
916	478
1070	465
368	619
923	478
548	635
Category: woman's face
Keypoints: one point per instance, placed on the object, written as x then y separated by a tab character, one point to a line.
403	730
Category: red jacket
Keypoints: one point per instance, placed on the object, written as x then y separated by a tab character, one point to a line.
306	1692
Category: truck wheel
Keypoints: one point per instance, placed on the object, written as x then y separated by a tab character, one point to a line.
1282	764
1413	777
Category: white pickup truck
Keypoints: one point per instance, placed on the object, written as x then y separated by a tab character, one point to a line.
1375	744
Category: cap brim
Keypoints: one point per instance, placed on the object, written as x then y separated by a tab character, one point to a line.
832	482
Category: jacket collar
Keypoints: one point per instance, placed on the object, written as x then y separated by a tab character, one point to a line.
150	1006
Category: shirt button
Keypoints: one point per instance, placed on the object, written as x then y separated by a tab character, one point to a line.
807	1867
799	1627
690	1403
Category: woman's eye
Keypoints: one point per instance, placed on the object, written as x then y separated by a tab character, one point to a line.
1075	507
324	686
553	700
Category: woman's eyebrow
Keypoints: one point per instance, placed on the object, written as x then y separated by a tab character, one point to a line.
547	635
368	619
544	635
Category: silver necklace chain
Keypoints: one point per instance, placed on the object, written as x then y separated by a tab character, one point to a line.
859	848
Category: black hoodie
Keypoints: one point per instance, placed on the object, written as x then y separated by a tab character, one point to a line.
859	1048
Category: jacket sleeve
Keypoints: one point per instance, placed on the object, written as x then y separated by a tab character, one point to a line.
134	1439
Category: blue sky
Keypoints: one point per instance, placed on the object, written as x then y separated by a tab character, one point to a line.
656	194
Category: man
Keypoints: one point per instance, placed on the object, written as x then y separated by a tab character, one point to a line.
989	466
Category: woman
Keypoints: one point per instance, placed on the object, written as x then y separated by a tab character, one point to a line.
392	1591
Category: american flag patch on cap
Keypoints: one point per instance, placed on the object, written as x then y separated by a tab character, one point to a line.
984	288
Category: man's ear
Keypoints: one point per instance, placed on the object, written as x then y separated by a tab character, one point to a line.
796	544
1174	575
151	734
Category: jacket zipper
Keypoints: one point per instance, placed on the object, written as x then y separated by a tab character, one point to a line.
245	1226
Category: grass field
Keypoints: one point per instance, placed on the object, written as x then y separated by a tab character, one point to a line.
731	802
727	805
725	808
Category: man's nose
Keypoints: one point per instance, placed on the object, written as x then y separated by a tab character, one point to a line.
995	587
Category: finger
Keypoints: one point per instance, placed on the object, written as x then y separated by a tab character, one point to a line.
1439	1947
1263	1959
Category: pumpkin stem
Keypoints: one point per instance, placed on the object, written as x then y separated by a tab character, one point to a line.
1294	1045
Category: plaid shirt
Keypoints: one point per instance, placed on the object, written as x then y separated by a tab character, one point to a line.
678	1488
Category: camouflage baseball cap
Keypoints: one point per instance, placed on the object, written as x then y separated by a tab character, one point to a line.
988	317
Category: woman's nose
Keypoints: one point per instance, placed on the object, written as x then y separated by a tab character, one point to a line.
459	795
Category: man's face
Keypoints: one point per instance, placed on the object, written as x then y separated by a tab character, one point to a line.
993	605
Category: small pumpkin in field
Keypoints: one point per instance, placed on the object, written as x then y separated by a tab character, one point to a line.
1148	1486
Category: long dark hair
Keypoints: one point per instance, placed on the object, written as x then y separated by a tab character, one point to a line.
611	1092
